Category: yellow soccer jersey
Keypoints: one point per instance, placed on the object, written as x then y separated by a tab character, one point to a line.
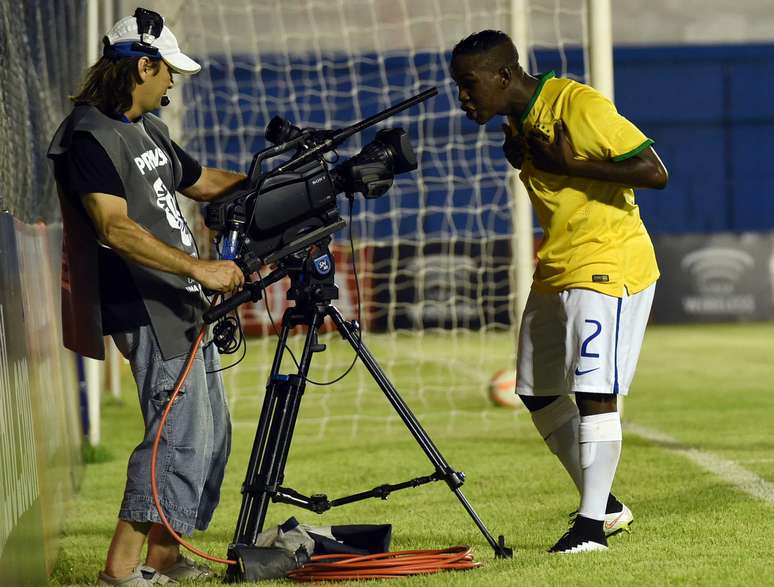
593	235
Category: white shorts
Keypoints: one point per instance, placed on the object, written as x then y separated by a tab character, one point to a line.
581	341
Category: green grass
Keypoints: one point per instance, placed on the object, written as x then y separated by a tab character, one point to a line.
710	387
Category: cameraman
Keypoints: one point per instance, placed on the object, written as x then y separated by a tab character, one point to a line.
131	269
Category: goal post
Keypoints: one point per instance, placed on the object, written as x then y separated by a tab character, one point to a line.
522	239
600	47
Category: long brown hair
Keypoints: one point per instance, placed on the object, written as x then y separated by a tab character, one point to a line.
108	84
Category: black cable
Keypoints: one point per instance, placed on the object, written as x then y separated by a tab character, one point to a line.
334	159
359	323
271	318
359	327
242	343
357	279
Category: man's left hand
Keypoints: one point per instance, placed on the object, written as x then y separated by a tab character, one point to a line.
554	157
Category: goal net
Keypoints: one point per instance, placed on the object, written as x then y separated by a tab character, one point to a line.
41	67
434	254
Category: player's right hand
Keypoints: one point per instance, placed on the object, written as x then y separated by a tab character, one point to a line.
514	147
221	276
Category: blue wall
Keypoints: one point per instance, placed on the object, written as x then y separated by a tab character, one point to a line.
711	112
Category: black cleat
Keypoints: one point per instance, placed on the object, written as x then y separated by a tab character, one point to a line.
585	535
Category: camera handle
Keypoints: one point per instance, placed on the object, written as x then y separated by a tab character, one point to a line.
250	293
271	446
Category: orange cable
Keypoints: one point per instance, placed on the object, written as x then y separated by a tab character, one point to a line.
341	567
154	454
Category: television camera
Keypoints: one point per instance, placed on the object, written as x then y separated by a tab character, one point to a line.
286	208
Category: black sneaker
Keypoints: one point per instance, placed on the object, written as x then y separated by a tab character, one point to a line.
585	535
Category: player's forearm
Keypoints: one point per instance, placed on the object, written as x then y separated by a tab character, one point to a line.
213	184
133	242
636	172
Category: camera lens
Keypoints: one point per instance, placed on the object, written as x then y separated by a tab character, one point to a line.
280	130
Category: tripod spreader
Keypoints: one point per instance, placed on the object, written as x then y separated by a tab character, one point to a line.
320	503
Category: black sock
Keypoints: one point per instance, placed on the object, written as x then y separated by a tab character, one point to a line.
590	528
613	505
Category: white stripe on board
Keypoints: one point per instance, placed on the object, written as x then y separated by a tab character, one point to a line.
728	471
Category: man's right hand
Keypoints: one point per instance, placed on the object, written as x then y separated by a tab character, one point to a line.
221	276
514	147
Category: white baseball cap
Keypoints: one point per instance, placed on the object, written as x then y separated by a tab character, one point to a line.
124	40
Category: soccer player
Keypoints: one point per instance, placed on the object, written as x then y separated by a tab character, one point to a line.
593	286
132	270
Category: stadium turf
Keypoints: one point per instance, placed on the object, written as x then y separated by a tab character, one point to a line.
697	467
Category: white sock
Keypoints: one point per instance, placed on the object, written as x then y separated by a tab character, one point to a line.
558	425
600	448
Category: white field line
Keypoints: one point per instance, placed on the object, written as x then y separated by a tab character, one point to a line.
729	471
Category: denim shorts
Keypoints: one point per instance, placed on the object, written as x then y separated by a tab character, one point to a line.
196	440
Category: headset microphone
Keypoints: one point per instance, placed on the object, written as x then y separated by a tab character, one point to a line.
165	101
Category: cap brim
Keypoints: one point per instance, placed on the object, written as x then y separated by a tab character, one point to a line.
181	63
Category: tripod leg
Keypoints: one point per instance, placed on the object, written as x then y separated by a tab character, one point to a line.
244	521
452	477
298	384
273	437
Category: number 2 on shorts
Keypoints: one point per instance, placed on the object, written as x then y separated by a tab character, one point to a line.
584	347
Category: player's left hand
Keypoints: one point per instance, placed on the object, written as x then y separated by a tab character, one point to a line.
554	157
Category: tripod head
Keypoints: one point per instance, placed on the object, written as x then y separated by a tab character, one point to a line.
311	271
312	275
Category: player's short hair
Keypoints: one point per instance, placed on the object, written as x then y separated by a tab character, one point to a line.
109	84
486	42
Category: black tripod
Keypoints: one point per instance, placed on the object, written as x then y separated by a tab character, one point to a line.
313	288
